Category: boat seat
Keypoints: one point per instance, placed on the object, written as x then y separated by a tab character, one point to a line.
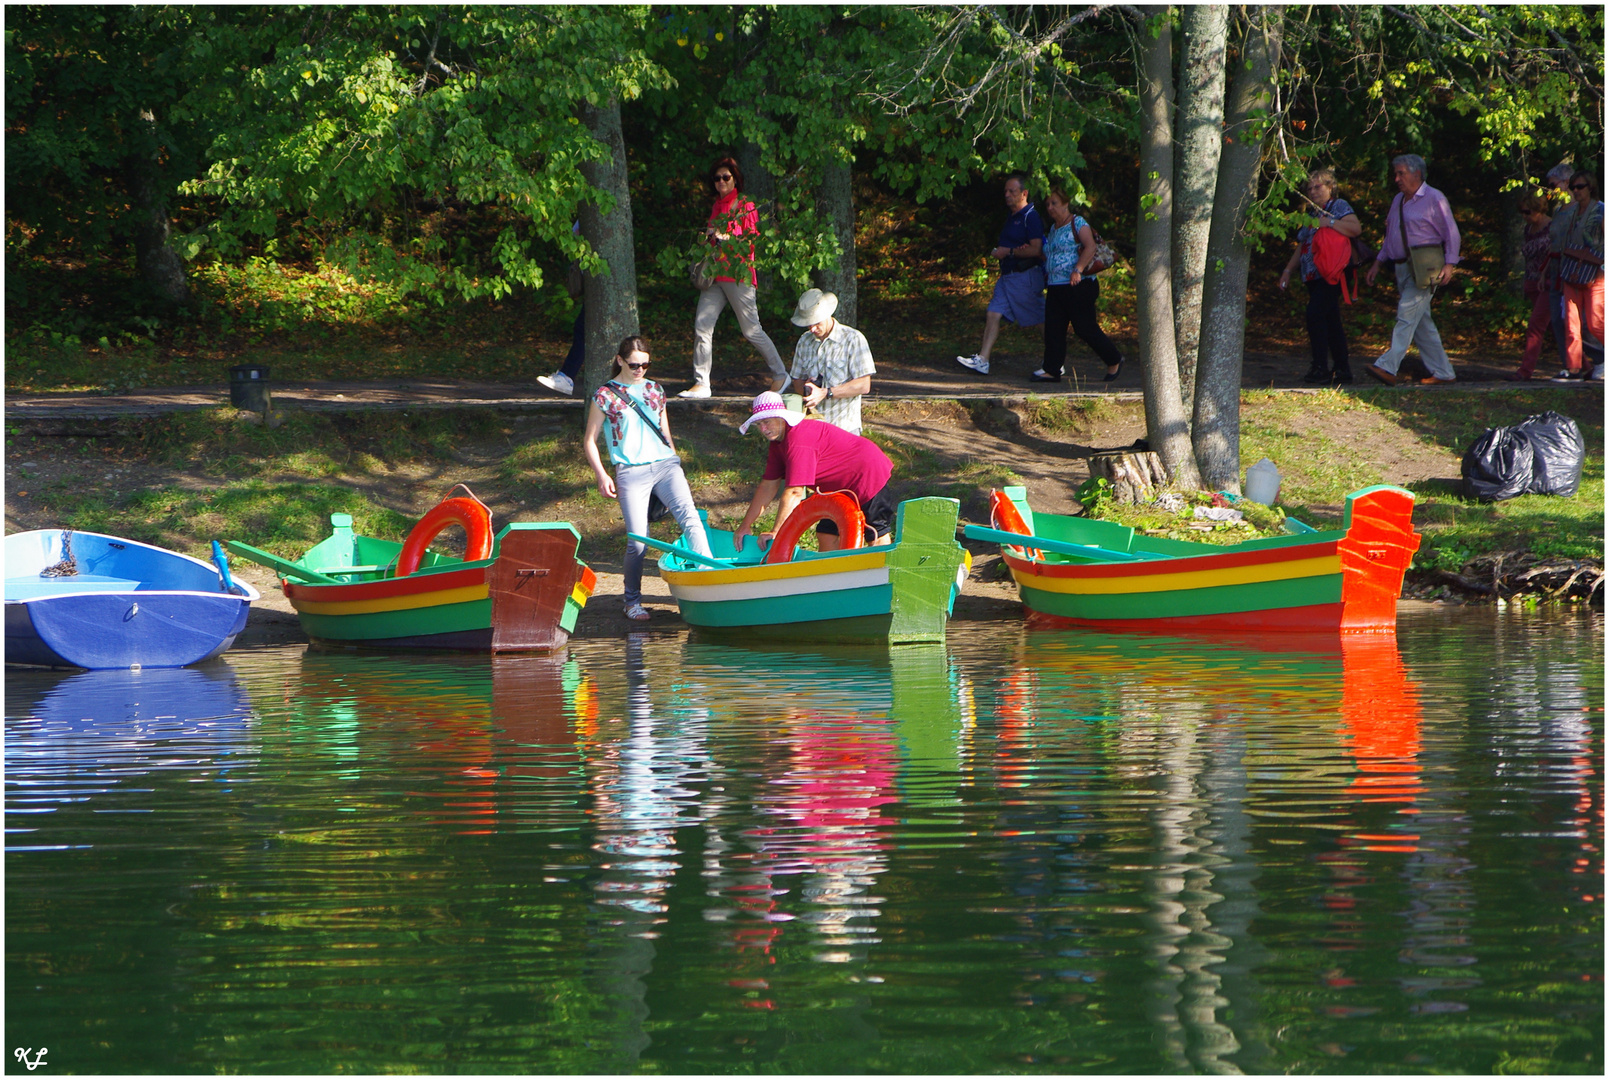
27	588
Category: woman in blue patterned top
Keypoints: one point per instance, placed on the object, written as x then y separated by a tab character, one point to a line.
1071	292
1326	336
644	457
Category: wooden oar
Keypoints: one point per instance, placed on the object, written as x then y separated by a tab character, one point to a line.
676	549
274	562
1061	547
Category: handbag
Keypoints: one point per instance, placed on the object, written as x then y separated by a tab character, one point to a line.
656	506
699	273
1105	256
1424	260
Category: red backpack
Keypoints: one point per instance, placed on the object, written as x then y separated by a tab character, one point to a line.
1332	252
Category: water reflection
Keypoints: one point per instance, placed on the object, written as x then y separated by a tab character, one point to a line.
1048	851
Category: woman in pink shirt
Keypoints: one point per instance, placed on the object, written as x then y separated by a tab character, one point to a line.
732	216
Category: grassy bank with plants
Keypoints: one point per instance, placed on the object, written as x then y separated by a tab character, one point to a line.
183	479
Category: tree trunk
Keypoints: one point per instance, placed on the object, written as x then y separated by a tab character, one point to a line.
1167	423
610	300
1135	475
1195	174
160	267
1216	433
836	204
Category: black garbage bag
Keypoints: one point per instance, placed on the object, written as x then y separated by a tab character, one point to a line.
1498	465
1541	455
1556	453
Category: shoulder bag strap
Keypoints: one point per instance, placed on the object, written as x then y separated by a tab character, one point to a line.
638	409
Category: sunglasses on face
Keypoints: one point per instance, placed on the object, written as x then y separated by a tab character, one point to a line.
1578	187
723	178
638	367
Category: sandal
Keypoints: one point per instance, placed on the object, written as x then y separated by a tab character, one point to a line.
637	613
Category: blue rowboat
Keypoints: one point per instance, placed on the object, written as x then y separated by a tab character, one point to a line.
83	599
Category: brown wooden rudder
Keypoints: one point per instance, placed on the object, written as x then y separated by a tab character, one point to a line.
535	571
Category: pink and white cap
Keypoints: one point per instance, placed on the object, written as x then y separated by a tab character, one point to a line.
767	404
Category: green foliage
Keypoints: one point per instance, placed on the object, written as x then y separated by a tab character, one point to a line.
1093	495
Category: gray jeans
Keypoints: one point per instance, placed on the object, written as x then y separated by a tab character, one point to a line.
633	485
710	303
1415	327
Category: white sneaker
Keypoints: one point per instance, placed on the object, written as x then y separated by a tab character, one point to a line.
1597	374
975	362
697	390
558	382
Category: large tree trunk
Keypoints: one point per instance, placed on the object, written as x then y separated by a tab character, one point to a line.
611	300
1195	173
836	204
1216	432
1167	422
160	267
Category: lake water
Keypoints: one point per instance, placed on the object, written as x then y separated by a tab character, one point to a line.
1020	852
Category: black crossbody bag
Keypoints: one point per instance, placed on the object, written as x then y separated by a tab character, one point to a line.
656	506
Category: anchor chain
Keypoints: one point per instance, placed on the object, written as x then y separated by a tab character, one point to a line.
68	567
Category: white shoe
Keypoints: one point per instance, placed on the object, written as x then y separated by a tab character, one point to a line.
1597	374
558	382
975	362
637	613
697	390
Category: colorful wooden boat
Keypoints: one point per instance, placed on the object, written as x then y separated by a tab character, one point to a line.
899	592
84	599
522	594
1074	571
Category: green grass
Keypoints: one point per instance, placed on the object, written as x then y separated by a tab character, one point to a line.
1320	471
284	518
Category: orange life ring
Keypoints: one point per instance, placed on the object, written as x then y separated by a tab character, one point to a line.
474	517
839	507
1003	515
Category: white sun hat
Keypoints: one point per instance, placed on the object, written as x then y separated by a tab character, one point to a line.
767	404
815	306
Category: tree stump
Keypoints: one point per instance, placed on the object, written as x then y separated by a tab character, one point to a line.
1135	475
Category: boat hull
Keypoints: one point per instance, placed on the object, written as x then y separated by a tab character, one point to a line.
901	593
1344	581
526	598
129	604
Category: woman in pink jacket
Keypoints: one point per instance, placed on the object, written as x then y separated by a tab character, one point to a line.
732	216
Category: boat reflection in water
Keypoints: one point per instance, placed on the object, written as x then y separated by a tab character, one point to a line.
471	736
130	704
1229	736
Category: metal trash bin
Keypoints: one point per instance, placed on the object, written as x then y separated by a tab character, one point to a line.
248	387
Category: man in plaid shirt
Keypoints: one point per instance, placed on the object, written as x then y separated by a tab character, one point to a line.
832	360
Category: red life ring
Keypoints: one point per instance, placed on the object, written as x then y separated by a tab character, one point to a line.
474	517
1003	515
839	507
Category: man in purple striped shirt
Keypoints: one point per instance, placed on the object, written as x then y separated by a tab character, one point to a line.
1422	212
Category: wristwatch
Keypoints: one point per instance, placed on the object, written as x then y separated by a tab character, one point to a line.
829	391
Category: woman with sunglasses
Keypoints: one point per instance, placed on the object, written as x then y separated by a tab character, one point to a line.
1535	251
732	216
644	458
1581	275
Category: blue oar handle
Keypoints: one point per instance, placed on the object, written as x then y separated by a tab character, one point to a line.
1061	547
676	549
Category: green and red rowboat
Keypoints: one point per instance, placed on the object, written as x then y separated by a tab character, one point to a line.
1074	571
896	593
520	591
